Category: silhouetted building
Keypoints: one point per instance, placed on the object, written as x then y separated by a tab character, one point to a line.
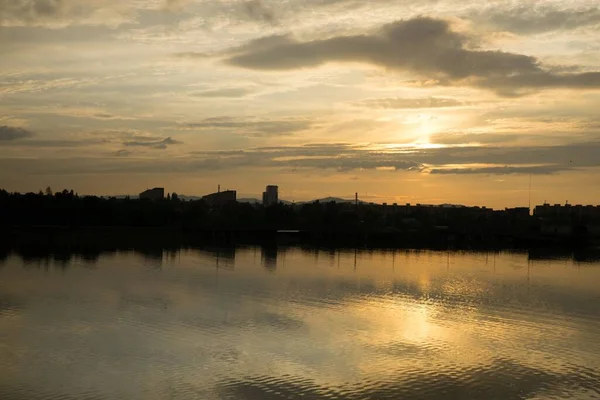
271	196
518	213
153	194
221	198
567	211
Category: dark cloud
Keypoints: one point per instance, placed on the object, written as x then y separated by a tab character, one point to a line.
59	13
103	116
531	19
192	55
536	170
451	138
106	116
58	143
424	46
252	127
346	157
402	103
122	153
160	144
225	93
499	160
29	10
257	10
12	133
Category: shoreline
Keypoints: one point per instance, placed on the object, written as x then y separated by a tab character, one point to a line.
173	236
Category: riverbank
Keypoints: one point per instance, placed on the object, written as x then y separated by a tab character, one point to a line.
129	237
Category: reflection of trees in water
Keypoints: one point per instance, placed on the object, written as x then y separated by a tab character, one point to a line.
64	254
590	256
224	257
47	255
583	255
269	257
61	258
4	254
153	256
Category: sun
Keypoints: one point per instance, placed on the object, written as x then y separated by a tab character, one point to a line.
423	126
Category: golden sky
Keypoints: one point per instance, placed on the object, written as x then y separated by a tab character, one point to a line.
435	101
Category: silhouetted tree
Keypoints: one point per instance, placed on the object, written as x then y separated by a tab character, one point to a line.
66	208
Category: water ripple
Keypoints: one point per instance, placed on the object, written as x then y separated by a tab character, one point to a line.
422	328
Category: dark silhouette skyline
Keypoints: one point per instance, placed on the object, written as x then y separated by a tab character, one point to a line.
342	223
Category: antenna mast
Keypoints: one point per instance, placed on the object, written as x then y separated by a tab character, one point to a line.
530	193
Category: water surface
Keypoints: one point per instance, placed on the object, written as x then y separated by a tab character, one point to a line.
267	323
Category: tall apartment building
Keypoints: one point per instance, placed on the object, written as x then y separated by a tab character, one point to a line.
271	196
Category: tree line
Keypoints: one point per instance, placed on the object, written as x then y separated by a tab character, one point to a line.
67	208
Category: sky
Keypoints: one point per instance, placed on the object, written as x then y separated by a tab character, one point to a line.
408	101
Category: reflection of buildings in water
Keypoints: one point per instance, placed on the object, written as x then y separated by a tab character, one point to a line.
224	258
172	255
269	257
153	256
89	256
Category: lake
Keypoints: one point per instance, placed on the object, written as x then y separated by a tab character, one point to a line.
256	323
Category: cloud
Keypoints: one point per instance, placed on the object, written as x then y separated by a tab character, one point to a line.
506	170
460	138
122	153
447	160
14	86
424	46
175	5
61	13
257	10
159	144
192	55
532	20
252	127
127	138
106	116
58	143
340	157
224	93
9	133
408	103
